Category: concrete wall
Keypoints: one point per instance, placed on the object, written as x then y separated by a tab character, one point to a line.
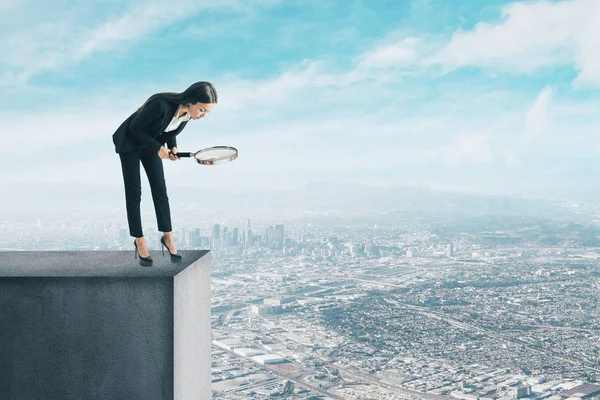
96	325
193	331
86	338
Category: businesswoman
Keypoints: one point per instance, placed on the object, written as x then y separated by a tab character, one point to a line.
141	138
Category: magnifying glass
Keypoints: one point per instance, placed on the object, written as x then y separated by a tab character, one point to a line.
211	155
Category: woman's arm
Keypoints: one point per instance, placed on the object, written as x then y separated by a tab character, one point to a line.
172	142
150	112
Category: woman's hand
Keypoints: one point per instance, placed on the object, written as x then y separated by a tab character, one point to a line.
163	152
173	156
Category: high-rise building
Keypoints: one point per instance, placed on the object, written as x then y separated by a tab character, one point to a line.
278	236
270	236
183	237
225	238
354	249
248	241
234	237
449	250
216	236
195	241
372	250
274	236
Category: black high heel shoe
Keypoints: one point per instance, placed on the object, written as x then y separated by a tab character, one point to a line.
174	257
144	261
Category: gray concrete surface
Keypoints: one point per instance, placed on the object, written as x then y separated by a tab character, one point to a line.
86	338
97	325
192	331
91	263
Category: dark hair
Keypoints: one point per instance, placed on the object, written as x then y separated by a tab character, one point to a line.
199	92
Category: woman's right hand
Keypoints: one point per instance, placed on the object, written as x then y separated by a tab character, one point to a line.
163	153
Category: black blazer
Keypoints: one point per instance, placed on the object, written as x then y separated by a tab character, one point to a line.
146	127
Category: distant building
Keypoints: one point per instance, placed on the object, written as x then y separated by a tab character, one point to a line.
123	236
463	396
228	344
354	249
195	238
372	251
272	347
247	352
278	301
269	359
521	391
248	235
234	238
584	391
279	237
301	356
216	236
265	309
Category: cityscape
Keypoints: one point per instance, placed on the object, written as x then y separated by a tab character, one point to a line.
387	304
413	212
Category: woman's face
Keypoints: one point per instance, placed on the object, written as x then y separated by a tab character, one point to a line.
199	110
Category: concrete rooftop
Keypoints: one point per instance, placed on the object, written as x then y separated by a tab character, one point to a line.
91	263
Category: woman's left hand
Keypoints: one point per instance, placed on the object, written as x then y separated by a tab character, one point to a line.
172	154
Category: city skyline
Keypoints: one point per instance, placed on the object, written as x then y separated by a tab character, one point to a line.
494	304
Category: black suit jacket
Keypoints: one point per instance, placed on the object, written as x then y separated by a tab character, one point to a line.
146	127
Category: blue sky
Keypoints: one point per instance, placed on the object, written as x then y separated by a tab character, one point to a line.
494	96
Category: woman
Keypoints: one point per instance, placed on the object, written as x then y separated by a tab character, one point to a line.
141	138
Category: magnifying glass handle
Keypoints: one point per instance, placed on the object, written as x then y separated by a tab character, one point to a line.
182	154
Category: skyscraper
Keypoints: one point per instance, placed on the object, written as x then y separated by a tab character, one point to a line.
248	242
234	237
225	238
449	250
216	236
278	237
195	241
270	236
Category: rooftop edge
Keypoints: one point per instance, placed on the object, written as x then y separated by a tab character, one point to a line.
119	263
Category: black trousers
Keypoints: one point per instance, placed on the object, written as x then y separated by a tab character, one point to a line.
130	164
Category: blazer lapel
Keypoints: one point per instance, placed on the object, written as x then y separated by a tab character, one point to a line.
169	111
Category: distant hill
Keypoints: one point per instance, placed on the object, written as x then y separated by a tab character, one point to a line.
23	198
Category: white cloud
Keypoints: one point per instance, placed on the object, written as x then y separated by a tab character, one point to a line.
311	78
51	41
537	126
74	141
312	74
466	148
532	35
395	54
240	93
302	148
537	118
58	128
270	120
293	142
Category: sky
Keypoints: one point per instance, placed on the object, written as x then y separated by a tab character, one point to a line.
490	96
